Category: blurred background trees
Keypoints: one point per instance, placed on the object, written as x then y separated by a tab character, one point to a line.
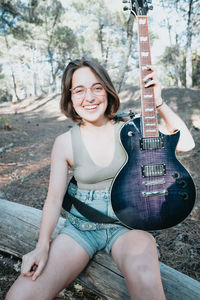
39	37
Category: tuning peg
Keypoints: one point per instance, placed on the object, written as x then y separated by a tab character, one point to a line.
126	8
150	7
126	1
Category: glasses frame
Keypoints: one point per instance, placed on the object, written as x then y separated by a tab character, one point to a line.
86	89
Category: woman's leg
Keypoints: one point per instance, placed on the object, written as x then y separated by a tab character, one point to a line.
66	260
135	254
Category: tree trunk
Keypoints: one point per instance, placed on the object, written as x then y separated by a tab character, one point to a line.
189	67
14	85
12	74
189	50
174	56
100	38
123	68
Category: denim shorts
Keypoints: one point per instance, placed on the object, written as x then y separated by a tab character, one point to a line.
93	240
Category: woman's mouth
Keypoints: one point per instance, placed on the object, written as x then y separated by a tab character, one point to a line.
90	107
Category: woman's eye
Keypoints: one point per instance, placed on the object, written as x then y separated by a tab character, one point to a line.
78	91
98	88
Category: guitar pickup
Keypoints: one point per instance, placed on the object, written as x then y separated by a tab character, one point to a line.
153	170
151	143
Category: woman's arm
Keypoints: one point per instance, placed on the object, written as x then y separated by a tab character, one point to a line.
171	121
56	190
34	262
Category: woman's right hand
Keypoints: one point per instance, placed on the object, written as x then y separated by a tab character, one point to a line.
34	262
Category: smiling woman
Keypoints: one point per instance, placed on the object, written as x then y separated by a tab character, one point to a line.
97	75
84	100
93	149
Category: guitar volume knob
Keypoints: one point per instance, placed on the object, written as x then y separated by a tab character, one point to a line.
182	183
184	196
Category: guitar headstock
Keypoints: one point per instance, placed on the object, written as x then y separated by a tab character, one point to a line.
139	7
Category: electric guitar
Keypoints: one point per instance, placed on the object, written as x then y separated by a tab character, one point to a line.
152	190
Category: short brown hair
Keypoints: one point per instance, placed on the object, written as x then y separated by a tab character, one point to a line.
66	102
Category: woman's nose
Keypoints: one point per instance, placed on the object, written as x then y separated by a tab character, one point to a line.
89	95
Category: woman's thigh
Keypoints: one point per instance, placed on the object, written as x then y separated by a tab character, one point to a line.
66	260
134	247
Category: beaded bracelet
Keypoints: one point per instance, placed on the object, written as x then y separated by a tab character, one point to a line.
158	106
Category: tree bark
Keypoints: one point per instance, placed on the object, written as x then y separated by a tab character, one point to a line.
189	50
124	65
12	74
19	228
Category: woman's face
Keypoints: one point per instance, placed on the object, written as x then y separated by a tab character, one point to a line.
89	98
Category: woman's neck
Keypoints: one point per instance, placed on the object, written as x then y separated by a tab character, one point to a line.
96	125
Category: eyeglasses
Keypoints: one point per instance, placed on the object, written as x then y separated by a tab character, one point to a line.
96	89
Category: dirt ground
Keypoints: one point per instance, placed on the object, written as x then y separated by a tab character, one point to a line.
27	133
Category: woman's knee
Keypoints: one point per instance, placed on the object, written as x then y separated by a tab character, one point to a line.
21	291
134	250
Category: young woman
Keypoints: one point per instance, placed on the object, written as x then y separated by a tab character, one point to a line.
92	149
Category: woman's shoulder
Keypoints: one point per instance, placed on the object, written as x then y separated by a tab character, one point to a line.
63	142
62	147
63	138
66	136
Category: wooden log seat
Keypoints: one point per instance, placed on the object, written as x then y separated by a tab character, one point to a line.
19	228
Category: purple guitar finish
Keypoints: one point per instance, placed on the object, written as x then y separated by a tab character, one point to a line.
153	190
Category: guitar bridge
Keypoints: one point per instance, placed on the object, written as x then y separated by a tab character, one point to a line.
155	193
154	182
151	143
153	170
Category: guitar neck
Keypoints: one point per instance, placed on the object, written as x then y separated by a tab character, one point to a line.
149	116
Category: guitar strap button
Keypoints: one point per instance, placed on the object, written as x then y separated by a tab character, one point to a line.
130	133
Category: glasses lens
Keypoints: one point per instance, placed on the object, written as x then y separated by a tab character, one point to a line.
97	89
79	92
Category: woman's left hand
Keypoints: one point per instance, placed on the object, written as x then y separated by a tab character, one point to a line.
152	80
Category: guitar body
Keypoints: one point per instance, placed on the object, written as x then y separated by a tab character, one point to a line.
153	190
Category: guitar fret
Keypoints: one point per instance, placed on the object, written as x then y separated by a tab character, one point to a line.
144	68
150	124
144	54
149	117
149	109
150	130
148	96
142	21
143	39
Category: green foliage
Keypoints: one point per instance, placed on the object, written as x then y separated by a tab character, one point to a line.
15	14
4	120
64	39
182	42
173	60
39	37
5	96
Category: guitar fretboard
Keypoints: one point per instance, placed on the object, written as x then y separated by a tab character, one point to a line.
149	117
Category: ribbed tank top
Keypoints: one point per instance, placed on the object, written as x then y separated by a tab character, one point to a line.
90	176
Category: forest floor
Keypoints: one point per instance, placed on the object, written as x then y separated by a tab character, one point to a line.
28	130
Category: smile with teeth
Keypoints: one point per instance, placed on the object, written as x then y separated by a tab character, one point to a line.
90	106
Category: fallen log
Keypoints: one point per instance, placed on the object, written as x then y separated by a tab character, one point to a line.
19	228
